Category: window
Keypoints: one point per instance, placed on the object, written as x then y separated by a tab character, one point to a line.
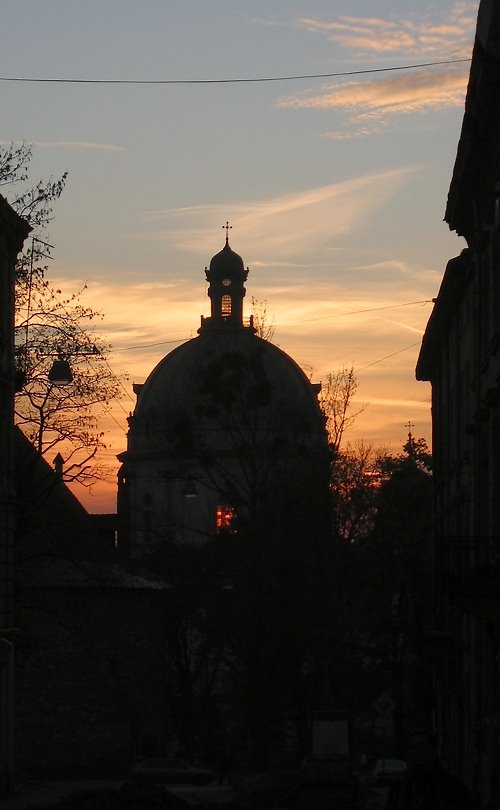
225	519
226	306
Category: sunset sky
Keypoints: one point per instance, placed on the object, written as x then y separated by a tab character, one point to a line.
335	187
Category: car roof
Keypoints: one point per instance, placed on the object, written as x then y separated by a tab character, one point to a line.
163	761
391	763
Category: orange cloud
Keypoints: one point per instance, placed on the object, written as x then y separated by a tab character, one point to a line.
372	105
374	35
342	317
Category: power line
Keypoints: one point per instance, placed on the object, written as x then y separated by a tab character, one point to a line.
304	320
388	356
107	410
250	80
371	309
120	383
146	345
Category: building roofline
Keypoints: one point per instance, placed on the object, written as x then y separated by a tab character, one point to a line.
455	278
478	154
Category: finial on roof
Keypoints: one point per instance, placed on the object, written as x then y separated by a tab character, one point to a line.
58	465
227	227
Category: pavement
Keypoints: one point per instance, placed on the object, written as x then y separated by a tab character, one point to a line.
377	798
48	793
36	795
44	792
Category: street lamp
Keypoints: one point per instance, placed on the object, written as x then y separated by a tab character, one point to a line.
189	490
60	373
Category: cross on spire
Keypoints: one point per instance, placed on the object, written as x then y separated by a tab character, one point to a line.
410	425
227	227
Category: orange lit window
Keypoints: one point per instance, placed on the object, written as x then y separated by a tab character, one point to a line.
226	306
225	519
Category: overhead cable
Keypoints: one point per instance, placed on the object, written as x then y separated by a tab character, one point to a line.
249	80
371	309
387	356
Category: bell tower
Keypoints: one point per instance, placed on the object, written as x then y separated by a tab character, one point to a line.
226	277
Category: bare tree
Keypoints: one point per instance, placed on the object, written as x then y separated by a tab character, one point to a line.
34	204
262	321
63	418
355	480
50	326
336	399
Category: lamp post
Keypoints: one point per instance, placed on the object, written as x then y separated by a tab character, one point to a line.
60	373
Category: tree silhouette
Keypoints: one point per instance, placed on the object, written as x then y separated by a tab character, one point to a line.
50	326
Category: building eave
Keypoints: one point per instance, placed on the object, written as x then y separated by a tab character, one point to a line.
454	281
477	163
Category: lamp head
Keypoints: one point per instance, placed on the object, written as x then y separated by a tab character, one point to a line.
60	373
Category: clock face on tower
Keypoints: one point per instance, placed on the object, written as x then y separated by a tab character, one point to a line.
226	282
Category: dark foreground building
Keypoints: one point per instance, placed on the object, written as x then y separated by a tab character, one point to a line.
90	672
13	232
460	356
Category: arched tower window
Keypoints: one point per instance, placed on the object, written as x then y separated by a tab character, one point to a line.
226	306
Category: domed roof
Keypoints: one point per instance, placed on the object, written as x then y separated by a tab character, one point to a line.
226	382
224	378
227	262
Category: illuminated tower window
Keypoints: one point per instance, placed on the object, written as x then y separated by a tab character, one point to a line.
225	519
226	306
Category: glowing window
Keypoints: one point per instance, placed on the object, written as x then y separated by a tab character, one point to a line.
225	519
226	306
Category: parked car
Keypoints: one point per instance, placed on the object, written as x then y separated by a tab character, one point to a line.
386	771
167	770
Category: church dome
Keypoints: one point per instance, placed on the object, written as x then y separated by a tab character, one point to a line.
219	382
224	382
227	432
227	262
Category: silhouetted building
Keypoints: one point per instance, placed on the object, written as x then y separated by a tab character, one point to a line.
460	356
90	673
224	485
227	432
13	232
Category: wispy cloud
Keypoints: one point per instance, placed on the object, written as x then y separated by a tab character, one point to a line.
374	104
449	37
288	225
103	147
317	322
